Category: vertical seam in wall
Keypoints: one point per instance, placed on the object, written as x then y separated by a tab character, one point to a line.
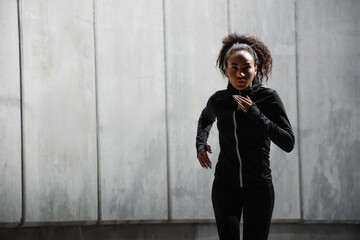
166	120
23	170
298	113
228	17
97	118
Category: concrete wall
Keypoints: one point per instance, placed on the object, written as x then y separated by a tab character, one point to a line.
10	116
99	113
131	109
191	78
59	111
329	85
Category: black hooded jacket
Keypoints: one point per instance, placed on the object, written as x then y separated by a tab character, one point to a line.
244	137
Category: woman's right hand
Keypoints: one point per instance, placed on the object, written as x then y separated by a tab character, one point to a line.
203	157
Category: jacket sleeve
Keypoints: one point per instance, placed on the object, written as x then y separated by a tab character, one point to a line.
206	120
276	124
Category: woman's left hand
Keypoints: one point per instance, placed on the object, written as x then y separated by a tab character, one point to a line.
244	103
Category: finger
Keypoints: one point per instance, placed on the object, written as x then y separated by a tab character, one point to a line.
202	163
242	107
204	159
246	100
246	104
238	100
207	161
242	102
200	158
235	98
209	148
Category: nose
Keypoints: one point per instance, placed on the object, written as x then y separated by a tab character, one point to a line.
241	74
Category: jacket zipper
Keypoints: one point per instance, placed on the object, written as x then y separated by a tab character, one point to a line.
237	145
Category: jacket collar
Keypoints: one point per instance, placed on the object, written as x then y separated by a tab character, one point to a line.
255	85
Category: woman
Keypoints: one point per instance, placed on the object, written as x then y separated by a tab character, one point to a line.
248	116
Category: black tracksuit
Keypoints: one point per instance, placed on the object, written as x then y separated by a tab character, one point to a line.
242	176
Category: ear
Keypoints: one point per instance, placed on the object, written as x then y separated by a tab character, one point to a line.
255	69
226	72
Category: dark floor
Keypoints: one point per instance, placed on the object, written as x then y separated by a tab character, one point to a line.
279	231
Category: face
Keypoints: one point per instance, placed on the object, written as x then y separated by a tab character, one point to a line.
240	69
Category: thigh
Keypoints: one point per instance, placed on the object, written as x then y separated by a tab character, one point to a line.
258	208
227	204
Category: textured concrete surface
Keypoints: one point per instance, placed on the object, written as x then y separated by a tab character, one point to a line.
10	122
274	23
59	121
329	112
178	231
131	96
194	30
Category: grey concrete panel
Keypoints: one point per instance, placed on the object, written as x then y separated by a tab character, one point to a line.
274	23
10	122
194	30
329	111
131	80
59	111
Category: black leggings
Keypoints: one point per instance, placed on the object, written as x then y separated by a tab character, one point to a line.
256	204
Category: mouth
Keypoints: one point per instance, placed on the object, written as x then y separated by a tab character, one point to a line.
240	80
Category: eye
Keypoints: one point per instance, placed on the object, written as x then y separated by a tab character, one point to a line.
247	68
234	67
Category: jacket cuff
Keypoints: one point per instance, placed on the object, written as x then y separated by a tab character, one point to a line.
253	110
255	114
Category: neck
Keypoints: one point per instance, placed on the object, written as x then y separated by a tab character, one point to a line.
247	90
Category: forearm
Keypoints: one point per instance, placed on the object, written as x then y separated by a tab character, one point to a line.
202	135
206	120
281	133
